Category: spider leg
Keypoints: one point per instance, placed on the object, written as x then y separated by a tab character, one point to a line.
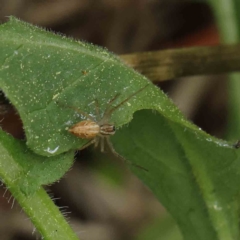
97	110
109	110
121	157
77	110
96	141
113	99
88	144
102	144
4	108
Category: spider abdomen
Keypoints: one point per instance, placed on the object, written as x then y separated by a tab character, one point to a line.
85	129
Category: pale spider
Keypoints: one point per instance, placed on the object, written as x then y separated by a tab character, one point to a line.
97	129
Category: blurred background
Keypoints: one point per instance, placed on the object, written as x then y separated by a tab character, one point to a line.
101	199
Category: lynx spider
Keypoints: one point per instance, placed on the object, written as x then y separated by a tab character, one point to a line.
97	129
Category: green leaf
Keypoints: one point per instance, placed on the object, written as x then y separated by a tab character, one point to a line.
18	172
24	172
45	75
194	175
28	170
163	227
42	72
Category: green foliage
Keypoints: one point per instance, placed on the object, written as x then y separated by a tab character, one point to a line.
163	227
27	169
23	172
194	175
49	74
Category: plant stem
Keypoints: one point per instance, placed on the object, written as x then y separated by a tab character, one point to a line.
228	18
173	63
46	217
